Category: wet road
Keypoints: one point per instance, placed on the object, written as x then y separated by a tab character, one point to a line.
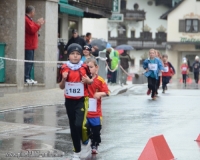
129	121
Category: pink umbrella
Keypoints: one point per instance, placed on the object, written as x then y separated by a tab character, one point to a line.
120	51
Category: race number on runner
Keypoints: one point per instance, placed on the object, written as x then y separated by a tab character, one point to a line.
92	105
166	69
153	67
74	89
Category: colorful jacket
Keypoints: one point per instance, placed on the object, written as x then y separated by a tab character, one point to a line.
31	34
156	72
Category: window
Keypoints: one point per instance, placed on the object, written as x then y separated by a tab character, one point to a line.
192	25
132	34
189	25
146	35
123	5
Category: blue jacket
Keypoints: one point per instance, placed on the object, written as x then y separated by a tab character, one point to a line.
160	67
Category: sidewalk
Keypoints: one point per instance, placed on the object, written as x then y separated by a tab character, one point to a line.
44	98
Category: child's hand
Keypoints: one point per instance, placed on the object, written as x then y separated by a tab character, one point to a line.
64	75
85	79
97	95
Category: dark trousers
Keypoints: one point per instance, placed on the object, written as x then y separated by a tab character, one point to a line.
77	111
158	84
165	81
29	55
114	77
184	78
95	135
109	75
196	77
152	85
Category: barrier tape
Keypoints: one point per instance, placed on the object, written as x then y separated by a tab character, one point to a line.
21	60
61	62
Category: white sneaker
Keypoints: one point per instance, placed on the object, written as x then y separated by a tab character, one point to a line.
94	150
28	81
76	156
33	82
85	150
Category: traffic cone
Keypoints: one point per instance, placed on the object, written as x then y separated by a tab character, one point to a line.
156	149
198	138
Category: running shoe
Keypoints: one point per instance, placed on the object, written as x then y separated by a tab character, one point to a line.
33	82
163	91
94	149
76	156
85	149
154	98
148	92
29	81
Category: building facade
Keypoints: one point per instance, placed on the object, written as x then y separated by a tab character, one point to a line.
84	15
61	16
183	40
140	27
12	32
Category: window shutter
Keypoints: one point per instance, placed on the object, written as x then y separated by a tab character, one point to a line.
199	25
182	26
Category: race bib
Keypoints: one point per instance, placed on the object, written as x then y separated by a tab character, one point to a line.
74	89
166	69
153	67
92	105
184	69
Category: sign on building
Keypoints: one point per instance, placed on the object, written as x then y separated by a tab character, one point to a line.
116	18
116	6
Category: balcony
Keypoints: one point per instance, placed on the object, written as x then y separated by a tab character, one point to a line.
94	8
134	15
139	43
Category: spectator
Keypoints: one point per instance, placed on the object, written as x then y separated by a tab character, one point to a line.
88	37
124	59
87	53
31	41
114	66
108	60
75	39
94	49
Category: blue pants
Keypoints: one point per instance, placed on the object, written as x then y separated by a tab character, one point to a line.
29	55
94	125
114	77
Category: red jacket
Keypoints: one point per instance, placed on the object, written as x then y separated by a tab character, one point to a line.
31	34
168	70
75	76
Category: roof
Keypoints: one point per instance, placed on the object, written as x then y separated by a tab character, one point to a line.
165	15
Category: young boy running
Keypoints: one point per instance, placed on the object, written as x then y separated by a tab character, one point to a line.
184	71
152	65
97	90
168	72
74	82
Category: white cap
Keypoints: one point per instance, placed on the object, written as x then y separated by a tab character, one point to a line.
197	58
184	61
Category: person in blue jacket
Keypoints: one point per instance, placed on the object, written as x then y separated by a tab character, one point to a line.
153	66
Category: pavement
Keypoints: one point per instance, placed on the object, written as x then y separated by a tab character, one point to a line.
36	122
129	121
45	97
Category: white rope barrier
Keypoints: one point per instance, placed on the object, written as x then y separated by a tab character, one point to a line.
126	72
21	60
61	62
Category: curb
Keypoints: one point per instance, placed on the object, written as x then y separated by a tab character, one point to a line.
114	93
